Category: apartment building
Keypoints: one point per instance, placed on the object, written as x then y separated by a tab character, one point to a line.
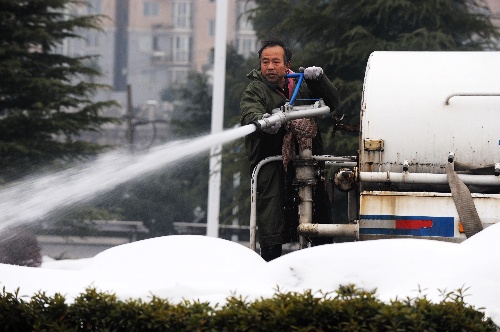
494	6
152	44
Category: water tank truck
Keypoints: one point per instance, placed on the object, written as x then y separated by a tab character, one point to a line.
428	163
429	148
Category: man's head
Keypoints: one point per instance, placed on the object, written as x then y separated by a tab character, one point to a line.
275	60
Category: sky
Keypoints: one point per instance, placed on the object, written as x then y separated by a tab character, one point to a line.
191	267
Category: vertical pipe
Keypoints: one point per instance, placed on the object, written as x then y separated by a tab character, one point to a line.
305	194
253	198
297	87
219	76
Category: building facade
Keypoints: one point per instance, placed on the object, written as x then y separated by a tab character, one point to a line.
152	44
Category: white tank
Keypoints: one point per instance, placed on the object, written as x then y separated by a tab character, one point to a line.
420	106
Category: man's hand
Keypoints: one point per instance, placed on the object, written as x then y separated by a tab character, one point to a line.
313	73
272	129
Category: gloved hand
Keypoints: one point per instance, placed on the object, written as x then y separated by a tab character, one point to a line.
272	129
313	73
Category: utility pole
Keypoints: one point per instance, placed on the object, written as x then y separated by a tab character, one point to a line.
219	77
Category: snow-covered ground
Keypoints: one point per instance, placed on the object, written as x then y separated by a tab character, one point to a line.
209	269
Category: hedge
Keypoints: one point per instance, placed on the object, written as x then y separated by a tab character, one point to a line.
347	309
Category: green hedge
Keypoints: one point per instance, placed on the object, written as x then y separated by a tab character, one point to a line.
348	309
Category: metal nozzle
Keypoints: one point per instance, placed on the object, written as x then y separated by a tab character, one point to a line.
297	112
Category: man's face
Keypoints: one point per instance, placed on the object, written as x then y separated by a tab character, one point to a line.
273	66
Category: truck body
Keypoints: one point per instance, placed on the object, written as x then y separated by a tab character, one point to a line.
420	111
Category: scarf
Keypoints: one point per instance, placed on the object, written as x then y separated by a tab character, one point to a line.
303	130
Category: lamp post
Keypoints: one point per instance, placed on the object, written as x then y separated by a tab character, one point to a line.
213	204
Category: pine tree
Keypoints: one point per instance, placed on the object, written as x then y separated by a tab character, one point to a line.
193	100
45	101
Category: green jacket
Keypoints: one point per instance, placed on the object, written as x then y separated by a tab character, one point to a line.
262	97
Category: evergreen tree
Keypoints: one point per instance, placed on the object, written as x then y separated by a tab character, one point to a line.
193	104
45	103
340	35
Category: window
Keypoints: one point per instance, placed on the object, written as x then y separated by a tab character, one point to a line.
182	14
211	56
181	47
236	180
156	43
92	39
178	76
145	44
247	46
211	28
243	8
94	7
150	8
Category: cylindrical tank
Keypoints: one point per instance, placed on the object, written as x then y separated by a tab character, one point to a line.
420	106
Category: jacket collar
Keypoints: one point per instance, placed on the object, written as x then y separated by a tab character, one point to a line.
256	75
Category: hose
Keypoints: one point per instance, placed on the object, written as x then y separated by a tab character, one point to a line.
462	197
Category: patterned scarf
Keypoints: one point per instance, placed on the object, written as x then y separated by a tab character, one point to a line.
303	130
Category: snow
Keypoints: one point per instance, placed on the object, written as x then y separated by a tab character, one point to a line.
189	267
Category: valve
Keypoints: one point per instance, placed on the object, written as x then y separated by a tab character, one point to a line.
345	179
405	166
451	157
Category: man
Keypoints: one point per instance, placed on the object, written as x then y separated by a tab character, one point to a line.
276	215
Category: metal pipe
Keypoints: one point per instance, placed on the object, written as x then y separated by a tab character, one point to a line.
305	176
330	230
253	199
468	94
297	113
253	195
485	180
335	158
300	76
341	163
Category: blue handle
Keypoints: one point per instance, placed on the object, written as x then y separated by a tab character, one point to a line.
297	87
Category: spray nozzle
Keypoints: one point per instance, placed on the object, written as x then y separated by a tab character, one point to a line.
267	122
289	112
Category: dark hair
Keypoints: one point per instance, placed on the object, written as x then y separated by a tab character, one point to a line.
276	42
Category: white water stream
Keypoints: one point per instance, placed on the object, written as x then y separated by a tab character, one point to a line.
36	197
